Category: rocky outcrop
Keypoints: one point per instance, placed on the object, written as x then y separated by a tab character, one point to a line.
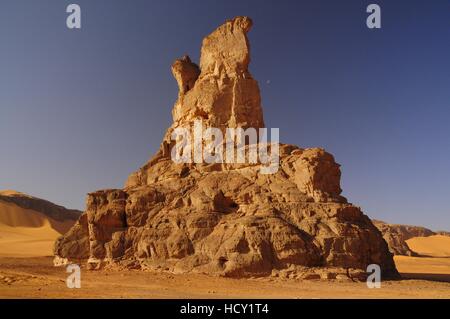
186	73
443	233
397	235
223	94
226	218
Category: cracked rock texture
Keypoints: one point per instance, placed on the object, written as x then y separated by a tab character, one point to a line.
227	219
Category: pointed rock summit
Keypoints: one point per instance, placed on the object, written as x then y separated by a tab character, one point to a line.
227	219
221	93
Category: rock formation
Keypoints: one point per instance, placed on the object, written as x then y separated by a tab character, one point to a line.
397	235
227	219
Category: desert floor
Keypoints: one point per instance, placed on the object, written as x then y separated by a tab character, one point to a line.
26	237
35	277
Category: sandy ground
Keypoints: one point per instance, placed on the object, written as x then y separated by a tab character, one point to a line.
37	278
424	267
26	237
434	263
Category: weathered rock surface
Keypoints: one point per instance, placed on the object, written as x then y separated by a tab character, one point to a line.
228	219
186	73
397	235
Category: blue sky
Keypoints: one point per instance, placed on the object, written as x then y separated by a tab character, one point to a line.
82	109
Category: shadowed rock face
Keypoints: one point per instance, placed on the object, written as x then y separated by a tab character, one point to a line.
227	219
186	73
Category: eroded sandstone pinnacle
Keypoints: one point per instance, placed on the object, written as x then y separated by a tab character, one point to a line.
227	219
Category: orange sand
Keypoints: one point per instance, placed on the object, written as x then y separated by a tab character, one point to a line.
26	233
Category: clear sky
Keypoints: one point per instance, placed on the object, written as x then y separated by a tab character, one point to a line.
82	109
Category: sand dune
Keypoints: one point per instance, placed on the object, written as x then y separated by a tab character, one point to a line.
10	192
433	246
26	233
434	263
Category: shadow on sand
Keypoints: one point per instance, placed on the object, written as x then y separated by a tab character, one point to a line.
423	276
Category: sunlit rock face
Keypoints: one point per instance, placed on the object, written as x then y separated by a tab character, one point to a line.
227	219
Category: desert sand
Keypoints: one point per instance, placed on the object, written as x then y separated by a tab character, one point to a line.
26	271
27	233
434	260
433	246
35	277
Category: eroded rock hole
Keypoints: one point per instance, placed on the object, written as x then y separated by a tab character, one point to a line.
224	204
222	261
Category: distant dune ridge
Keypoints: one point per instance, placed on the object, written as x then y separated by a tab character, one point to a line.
29	225
400	239
431	259
49	209
433	246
